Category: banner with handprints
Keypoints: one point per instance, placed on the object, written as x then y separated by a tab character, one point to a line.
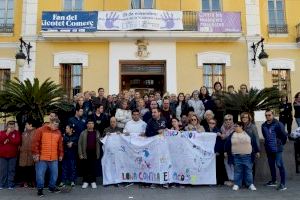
176	157
147	19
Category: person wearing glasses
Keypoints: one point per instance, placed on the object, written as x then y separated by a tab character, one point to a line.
194	124
241	150
227	129
275	138
251	130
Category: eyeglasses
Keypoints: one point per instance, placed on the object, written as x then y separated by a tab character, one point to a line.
228	119
243	88
194	119
211	123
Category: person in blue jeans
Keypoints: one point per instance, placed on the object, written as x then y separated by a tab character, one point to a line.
241	149
275	137
70	143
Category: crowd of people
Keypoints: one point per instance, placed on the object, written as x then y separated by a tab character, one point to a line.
74	141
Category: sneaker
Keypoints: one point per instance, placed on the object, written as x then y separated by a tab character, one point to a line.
10	188
152	186
166	186
281	187
252	187
54	190
93	184
128	185
271	184
235	187
1	188
72	184
85	185
228	183
61	184
40	193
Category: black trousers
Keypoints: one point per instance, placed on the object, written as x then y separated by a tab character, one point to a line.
220	169
27	174
89	167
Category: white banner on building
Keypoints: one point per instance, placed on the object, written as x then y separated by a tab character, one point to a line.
177	157
148	19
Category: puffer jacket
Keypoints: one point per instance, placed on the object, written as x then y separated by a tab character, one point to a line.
275	136
47	143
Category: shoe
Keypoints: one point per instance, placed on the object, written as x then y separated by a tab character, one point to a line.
271	184
128	185
228	183
93	184
54	190
166	186
85	185
10	188
252	187
152	186
281	187
235	187
62	185
1	188
72	184
40	193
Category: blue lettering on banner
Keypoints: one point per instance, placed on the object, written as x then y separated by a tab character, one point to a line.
76	21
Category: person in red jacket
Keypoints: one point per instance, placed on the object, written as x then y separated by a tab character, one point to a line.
10	140
47	150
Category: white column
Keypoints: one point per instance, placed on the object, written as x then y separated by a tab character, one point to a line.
256	75
29	34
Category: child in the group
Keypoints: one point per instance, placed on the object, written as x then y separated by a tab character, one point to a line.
241	149
70	142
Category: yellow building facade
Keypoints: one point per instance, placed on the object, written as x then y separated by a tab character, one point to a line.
165	58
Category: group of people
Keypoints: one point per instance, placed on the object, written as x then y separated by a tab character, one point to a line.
75	141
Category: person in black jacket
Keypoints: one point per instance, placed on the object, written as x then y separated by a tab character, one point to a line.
296	105
70	143
285	115
156	125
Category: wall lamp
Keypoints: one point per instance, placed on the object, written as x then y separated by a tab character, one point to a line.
20	56
263	56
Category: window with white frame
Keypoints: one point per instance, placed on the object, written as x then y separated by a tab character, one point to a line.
277	23
282	80
4	76
6	16
73	5
213	73
142	4
71	79
211	6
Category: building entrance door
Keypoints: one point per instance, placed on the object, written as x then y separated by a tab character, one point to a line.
143	76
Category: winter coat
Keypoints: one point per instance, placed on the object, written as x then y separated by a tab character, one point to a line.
123	116
82	144
198	106
275	136
25	149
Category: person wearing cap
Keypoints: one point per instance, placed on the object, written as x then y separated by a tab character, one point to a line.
89	153
10	140
47	150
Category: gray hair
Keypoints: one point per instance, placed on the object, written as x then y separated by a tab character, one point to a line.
209	112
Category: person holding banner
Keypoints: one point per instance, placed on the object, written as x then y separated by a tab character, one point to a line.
194	124
156	125
241	149
112	128
136	126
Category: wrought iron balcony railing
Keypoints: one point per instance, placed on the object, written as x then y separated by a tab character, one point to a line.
278	28
6	28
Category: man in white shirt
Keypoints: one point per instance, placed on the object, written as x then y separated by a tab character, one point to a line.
136	126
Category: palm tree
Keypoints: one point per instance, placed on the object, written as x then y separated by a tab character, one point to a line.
32	100
254	100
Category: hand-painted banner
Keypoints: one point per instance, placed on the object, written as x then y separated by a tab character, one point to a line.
147	19
75	21
219	22
177	157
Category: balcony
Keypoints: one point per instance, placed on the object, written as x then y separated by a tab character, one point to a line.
298	34
192	26
278	28
6	28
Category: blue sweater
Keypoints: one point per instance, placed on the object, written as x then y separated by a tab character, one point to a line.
275	136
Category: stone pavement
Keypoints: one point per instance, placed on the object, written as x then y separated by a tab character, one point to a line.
188	193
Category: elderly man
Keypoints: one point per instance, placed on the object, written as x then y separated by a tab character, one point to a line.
112	128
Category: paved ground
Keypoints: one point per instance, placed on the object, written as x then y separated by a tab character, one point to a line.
136	193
